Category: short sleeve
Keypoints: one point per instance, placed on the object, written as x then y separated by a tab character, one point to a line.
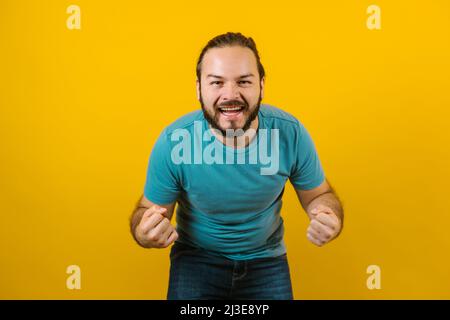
307	172
162	184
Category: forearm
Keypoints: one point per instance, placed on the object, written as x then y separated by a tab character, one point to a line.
135	219
330	200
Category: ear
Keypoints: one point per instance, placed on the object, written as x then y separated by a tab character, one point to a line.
262	87
198	89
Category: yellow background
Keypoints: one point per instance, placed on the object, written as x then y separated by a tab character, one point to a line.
81	109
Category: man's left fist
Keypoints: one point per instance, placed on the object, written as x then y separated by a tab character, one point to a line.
324	225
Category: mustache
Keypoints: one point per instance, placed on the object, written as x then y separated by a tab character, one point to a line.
233	103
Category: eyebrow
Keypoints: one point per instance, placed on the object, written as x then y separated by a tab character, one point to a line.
220	77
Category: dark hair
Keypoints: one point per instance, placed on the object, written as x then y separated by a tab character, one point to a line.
227	40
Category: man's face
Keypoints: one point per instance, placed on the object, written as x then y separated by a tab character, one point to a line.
230	90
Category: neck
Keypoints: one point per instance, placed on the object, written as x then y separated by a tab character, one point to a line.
239	141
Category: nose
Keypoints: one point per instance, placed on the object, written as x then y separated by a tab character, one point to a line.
230	92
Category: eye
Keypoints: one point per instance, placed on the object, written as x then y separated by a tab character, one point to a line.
215	82
244	82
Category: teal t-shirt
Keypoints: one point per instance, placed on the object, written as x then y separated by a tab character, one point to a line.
229	199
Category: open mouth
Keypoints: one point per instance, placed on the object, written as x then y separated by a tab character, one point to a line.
231	110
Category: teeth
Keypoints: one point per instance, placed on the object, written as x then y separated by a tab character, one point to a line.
231	108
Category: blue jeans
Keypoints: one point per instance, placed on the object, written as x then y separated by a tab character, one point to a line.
195	274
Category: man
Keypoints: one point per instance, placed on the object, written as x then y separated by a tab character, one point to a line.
215	163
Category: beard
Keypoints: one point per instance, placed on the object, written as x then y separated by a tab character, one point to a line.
213	119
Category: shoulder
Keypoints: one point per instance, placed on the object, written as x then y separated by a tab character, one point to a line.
184	122
270	112
278	118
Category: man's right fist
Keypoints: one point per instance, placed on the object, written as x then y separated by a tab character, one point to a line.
155	230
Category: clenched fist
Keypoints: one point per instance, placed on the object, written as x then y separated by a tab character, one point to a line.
324	225
155	230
